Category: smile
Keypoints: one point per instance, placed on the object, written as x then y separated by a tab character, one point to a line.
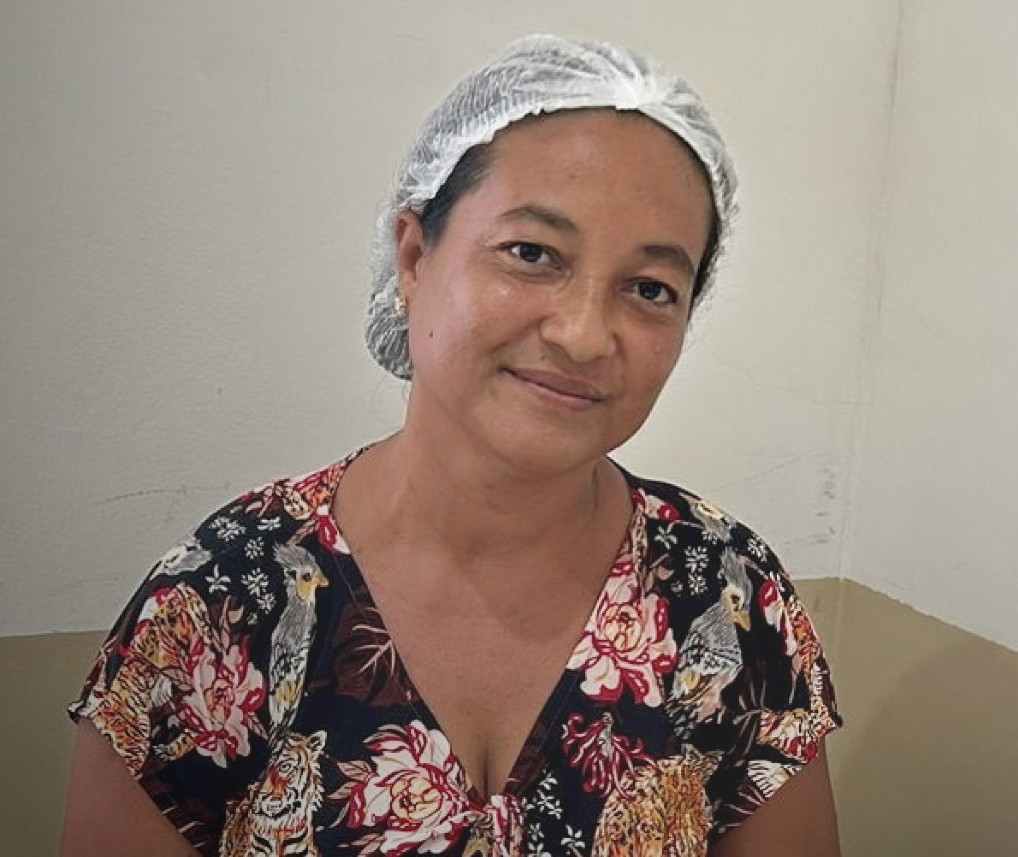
561	389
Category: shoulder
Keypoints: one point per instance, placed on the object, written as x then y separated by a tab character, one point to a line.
284	509
711	564
671	509
211	602
747	650
236	558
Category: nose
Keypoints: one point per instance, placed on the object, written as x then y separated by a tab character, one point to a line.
579	321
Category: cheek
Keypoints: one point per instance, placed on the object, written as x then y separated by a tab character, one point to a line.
451	319
659	357
644	385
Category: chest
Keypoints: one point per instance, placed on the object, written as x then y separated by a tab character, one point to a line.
484	664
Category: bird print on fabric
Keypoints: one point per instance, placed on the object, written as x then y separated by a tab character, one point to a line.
716	527
186	557
710	656
737	590
291	639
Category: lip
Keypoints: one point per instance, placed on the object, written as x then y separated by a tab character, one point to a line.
575	389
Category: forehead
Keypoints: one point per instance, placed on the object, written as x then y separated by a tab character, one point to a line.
600	161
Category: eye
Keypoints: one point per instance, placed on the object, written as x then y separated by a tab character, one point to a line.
529	252
656	292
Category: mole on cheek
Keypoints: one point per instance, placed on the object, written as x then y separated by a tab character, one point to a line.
431	334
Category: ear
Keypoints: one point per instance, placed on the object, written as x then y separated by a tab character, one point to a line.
316	742
409	252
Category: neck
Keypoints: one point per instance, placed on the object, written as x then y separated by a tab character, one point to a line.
454	497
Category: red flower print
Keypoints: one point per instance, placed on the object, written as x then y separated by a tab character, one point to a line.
413	787
221	709
275	495
329	534
185	653
627	643
603	757
654	507
775	611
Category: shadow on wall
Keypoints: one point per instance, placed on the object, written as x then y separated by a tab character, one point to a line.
928	762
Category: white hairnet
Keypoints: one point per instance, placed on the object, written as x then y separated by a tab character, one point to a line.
534	74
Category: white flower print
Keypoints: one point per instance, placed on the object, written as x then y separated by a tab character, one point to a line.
696	559
535	842
268	525
256	582
548	782
697	583
757	547
216	580
225	694
572	842
226	529
254	549
545	801
549	805
266	602
666	538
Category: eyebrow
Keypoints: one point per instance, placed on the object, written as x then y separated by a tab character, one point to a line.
542	215
673	254
670	253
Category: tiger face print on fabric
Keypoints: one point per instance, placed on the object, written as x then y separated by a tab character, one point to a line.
274	819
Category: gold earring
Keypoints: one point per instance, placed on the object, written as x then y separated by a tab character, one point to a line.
400	304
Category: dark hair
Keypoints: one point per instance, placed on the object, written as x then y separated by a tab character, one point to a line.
474	166
465	176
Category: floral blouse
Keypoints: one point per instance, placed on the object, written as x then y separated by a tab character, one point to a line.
253	691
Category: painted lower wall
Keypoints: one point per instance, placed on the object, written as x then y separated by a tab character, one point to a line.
925	765
40	675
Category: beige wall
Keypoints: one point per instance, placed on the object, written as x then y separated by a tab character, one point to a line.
187	195
932	519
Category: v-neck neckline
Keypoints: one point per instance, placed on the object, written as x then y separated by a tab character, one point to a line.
526	765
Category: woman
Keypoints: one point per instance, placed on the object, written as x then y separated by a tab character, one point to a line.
480	635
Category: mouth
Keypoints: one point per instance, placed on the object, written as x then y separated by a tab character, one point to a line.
564	389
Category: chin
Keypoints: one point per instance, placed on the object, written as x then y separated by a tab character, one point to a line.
543	451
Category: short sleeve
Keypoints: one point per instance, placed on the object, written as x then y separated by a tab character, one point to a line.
782	705
179	685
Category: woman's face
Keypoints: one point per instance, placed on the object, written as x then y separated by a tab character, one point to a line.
546	319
